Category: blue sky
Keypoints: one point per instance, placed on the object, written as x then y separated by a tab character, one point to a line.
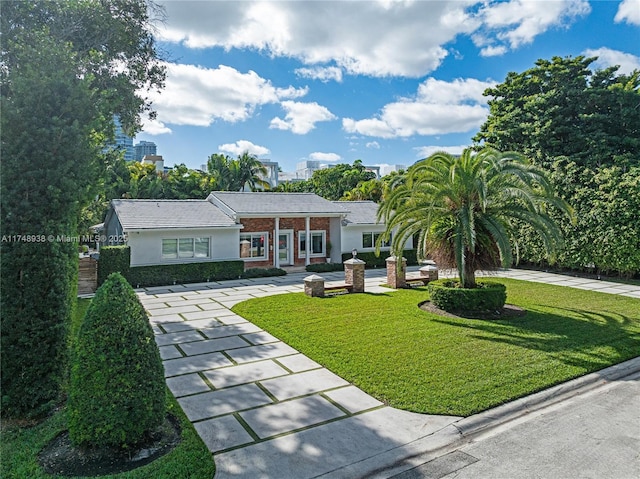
385	81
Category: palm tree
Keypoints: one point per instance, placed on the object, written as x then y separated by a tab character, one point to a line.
465	209
250	172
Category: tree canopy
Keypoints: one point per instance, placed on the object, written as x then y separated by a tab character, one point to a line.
560	108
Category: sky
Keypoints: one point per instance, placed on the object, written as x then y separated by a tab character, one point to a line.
386	82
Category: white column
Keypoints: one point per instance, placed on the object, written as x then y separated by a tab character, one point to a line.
276	245
307	243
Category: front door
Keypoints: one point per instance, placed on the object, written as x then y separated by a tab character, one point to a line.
285	248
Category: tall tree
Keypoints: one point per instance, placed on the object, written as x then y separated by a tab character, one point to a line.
67	68
463	209
563	108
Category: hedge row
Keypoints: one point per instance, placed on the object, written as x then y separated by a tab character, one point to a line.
373	261
117	259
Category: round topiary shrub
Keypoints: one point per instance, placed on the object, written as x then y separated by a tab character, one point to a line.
449	296
117	387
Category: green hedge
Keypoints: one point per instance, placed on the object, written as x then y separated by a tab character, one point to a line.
324	267
447	294
263	272
161	275
117	386
113	259
373	261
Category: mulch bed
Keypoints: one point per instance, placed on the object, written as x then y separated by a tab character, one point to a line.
61	457
507	312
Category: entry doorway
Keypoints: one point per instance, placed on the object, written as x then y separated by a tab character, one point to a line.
285	248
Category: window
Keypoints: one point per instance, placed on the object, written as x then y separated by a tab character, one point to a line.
369	240
254	246
317	243
185	248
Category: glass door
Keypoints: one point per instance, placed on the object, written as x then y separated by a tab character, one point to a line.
284	248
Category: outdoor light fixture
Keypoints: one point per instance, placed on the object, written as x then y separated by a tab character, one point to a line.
354	253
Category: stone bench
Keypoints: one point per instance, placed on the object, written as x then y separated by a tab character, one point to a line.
339	287
417	278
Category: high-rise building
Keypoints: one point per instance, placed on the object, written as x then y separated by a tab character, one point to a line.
122	141
144	148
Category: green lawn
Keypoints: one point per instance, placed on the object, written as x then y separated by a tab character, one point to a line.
410	359
20	446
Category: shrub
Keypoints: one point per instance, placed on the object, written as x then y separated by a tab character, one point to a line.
160	275
373	261
263	272
447	294
324	267
113	259
117	388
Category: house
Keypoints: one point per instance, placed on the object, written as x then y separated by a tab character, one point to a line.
275	226
264	229
171	231
359	228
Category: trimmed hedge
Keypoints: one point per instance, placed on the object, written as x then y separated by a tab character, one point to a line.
117	386
324	267
263	272
161	275
113	259
373	261
447	294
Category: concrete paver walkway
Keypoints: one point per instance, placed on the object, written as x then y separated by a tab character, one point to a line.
264	409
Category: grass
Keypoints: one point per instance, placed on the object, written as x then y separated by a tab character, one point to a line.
423	362
21	445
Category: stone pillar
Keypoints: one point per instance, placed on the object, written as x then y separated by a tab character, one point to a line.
430	270
354	274
395	278
314	286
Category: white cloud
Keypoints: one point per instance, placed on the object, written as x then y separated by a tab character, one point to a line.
608	58
324	74
426	151
371	38
198	96
439	107
319	156
373	144
240	146
628	11
376	38
155	127
517	22
301	118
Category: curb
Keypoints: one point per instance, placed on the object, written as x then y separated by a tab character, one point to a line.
465	430
482	422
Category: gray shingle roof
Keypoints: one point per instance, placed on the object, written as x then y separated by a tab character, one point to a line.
276	204
169	214
360	212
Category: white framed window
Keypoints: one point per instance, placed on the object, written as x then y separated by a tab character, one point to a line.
174	248
369	240
254	245
318	246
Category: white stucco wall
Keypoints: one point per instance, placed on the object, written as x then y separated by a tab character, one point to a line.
146	246
351	238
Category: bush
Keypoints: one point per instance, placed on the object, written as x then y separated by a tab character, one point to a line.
324	267
161	275
263	272
373	261
117	388
113	259
447	294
